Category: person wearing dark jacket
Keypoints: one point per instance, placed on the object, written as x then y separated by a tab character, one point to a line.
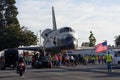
20	60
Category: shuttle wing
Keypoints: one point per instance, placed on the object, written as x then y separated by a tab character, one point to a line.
31	48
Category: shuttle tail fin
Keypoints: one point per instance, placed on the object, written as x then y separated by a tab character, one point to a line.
54	20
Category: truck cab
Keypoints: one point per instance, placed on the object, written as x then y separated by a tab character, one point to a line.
10	57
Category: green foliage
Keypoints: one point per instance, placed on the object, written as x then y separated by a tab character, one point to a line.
92	40
11	34
14	36
28	37
10	37
117	40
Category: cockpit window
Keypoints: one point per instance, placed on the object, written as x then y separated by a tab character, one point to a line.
66	29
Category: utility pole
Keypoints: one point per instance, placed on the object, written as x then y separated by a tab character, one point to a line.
44	52
40	36
78	42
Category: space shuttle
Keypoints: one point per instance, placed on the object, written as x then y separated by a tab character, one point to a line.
56	40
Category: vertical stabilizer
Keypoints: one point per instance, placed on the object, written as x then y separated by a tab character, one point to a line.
54	21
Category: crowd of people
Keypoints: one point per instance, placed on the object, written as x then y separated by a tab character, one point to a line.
71	60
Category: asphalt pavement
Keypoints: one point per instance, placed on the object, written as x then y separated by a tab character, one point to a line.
79	72
101	68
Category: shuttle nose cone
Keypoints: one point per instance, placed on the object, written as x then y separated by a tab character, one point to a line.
71	43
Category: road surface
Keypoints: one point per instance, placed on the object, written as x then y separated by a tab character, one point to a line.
88	72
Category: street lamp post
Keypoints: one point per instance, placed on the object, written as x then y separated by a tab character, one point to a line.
78	42
44	43
40	37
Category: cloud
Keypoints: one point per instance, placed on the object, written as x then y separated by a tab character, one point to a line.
82	15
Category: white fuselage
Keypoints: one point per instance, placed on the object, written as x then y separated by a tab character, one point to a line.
57	38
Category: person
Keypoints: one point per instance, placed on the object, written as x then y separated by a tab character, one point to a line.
20	60
109	61
32	62
59	60
72	60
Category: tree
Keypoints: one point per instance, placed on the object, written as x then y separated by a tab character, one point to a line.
28	37
117	40
8	13
11	37
11	34
92	39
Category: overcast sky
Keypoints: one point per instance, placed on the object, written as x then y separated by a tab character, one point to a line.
102	17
